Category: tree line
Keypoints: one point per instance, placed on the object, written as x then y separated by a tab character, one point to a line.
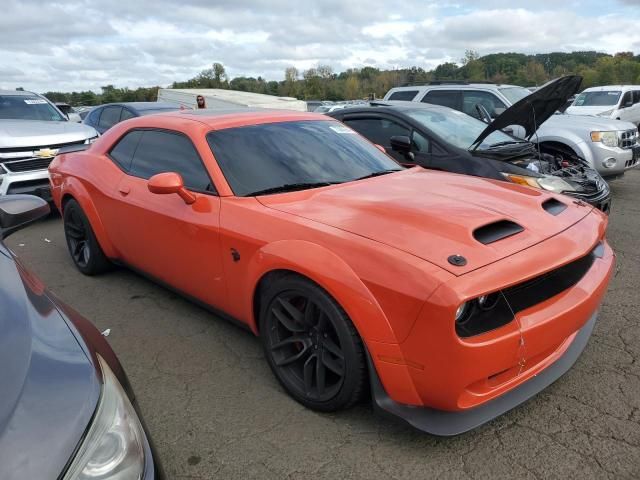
322	83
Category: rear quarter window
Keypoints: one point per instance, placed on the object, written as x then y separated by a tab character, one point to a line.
406	95
124	150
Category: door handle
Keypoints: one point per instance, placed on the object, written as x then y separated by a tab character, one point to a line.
124	190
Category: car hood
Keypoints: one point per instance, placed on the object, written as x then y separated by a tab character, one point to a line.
37	133
533	110
589	110
433	215
583	122
49	388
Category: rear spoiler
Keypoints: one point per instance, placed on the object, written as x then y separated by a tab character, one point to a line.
73	148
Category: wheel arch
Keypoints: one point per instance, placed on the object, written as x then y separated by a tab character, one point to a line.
326	269
74	190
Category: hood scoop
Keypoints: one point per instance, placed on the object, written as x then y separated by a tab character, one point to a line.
553	206
495	231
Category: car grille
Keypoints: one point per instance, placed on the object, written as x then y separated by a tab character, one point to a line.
18	159
27	165
635	159
522	296
628	138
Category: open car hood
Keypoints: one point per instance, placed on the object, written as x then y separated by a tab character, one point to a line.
533	110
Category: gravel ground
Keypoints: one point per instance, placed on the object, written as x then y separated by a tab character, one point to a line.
215	410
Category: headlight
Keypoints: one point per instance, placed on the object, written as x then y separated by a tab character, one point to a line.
610	139
555	184
546	182
606	113
113	449
460	312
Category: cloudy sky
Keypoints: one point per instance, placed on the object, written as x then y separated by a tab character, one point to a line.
82	44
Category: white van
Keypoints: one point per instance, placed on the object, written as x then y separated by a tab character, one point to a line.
620	102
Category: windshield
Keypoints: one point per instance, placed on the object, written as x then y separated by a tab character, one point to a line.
597	99
515	94
28	107
457	128
261	157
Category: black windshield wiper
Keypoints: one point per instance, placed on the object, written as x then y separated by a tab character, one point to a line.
509	142
289	187
377	174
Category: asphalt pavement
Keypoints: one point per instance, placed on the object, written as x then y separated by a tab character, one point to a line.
215	410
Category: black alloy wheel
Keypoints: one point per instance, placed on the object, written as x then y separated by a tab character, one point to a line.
83	247
312	346
76	233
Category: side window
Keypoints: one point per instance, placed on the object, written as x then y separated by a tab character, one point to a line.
94	116
110	116
420	143
377	130
488	100
126	114
636	96
163	151
124	150
626	98
407	95
446	98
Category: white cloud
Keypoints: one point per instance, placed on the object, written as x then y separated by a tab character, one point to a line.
84	44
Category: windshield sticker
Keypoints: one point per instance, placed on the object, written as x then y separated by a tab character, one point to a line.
341	129
613	93
35	101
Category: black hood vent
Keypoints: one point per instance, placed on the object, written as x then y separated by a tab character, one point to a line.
496	231
553	206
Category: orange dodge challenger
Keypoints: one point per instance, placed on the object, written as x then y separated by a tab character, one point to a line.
453	298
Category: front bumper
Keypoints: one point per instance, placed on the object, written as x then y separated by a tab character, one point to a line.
34	182
626	158
435	368
445	423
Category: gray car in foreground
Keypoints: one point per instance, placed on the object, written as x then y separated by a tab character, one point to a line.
32	130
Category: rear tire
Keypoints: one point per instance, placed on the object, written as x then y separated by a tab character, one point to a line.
311	345
85	251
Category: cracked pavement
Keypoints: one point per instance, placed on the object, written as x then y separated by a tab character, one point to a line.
215	410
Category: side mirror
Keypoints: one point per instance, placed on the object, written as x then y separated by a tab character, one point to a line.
18	211
401	143
170	182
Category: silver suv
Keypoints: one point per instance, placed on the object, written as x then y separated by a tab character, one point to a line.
610	146
32	130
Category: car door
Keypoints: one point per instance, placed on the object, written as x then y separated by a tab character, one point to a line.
108	118
173	242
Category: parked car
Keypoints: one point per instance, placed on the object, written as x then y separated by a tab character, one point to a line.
32	130
609	146
331	108
455	297
67	410
105	116
84	110
621	102
69	112
441	138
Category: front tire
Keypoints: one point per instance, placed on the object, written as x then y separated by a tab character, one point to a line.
83	246
311	345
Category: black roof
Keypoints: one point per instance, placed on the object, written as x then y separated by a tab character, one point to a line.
139	106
